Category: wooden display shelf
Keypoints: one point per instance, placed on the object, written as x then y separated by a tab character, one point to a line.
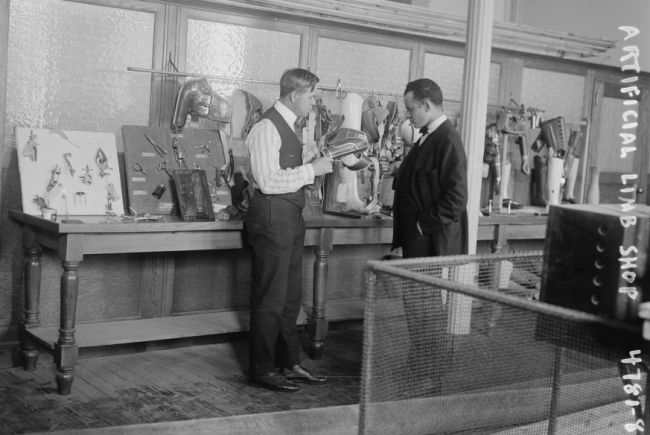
177	327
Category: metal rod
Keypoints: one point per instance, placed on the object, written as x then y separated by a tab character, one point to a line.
259	82
269	82
207	76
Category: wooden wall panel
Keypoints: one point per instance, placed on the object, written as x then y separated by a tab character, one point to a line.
157	284
206	281
211	280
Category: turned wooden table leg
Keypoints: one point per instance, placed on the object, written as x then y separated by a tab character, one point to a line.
500	242
66	351
32	285
317	320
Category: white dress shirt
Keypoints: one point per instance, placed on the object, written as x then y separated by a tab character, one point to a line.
263	143
432	127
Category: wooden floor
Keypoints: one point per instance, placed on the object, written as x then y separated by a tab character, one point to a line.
203	389
196	382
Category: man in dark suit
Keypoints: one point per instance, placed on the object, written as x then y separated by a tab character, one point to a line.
276	233
430	201
430	219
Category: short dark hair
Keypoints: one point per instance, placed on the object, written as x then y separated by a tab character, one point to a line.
425	89
297	79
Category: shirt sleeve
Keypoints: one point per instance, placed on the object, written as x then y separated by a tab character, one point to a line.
263	143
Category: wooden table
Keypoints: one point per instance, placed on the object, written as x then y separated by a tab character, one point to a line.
526	224
97	235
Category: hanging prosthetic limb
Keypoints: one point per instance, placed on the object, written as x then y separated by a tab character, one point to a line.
571	166
552	132
492	158
246	111
197	99
554	179
538	183
374	206
523	150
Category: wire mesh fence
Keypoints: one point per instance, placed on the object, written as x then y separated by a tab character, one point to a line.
462	345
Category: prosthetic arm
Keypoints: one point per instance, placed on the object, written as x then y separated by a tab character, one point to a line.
348	147
343	142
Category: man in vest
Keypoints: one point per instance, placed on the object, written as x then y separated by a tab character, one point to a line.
276	233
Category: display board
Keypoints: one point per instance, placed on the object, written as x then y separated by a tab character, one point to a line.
151	155
72	172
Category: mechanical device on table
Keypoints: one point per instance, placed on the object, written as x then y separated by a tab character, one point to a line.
358	187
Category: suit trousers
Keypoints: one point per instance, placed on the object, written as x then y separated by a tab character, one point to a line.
276	233
426	316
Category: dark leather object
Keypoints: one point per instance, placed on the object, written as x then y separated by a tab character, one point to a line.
301	374
538	196
276	382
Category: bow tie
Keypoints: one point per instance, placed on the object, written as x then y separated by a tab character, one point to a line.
424	130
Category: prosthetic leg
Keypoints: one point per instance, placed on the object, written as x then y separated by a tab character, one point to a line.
554	179
538	183
571	165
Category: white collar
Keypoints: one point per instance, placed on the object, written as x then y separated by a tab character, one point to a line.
432	126
286	113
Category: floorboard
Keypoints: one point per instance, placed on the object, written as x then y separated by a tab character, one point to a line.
204	389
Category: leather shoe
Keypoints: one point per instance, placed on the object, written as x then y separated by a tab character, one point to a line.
300	374
276	382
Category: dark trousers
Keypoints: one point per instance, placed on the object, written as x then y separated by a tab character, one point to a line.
426	317
276	233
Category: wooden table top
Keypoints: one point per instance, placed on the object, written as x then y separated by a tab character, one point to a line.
108	224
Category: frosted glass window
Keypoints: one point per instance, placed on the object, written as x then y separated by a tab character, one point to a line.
559	94
241	52
67	66
362	66
609	142
447	71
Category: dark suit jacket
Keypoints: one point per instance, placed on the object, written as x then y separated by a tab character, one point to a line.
439	184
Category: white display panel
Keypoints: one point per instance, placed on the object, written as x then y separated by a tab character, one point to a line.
74	172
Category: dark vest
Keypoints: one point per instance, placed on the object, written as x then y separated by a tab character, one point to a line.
290	153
